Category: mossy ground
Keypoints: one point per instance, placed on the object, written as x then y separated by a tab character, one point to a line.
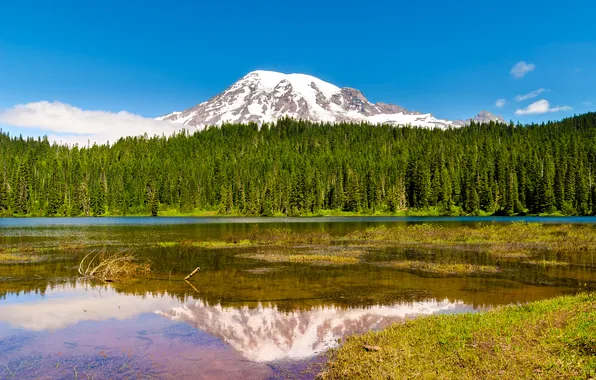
545	340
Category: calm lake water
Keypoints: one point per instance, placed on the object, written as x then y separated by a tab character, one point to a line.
238	317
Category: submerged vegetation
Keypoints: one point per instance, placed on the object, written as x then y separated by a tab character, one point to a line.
117	365
523	243
444	268
17	257
302	168
320	257
546	339
514	241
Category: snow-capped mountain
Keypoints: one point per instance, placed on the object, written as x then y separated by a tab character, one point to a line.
265	96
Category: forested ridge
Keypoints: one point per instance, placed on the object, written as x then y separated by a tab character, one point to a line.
299	168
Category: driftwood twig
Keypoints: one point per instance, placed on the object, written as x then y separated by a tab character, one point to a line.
192	273
193	287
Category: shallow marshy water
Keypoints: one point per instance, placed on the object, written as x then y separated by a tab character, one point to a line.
272	295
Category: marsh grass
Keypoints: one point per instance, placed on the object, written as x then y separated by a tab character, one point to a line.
445	268
564	236
304	258
510	241
17	257
27	253
545	340
260	237
220	243
98	366
319	256
22	254
113	267
546	263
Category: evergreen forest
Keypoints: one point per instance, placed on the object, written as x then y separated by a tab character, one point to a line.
297	168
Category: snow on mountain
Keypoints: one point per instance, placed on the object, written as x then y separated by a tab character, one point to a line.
265	96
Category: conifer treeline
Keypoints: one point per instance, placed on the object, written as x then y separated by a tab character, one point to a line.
297	167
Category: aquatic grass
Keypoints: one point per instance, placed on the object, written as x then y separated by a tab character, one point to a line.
279	257
11	258
517	239
219	243
261	270
27	253
546	263
546	339
22	254
444	268
14	342
101	366
167	244
264	237
322	259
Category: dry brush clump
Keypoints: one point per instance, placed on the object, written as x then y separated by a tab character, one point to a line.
113	267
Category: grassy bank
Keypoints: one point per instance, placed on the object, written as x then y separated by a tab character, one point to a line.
547	339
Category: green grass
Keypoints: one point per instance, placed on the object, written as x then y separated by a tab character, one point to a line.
546	263
12	257
514	240
221	244
323	257
167	244
544	340
444	268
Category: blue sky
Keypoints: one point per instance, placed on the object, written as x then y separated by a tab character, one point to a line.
153	57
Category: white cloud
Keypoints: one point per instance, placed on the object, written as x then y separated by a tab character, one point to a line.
520	69
530	95
500	103
74	125
540	107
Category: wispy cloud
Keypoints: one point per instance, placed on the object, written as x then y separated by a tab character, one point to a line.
520	69
74	125
530	95
540	107
500	103
587	103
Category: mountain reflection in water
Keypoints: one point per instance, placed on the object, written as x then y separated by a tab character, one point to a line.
265	334
260	334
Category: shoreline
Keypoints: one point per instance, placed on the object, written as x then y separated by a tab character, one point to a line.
553	338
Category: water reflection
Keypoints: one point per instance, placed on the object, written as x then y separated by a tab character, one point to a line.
66	305
259	334
265	334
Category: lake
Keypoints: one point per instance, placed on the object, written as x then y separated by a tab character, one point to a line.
249	312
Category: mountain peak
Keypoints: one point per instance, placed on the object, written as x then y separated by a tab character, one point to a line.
486	117
263	96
